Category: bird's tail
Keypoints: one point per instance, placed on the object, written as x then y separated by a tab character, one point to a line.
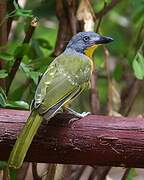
24	140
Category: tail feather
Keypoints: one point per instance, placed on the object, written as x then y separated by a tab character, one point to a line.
24	140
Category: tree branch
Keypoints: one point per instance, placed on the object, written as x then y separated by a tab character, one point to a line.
94	140
18	60
107	8
65	12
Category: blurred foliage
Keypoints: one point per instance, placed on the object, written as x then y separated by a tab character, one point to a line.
123	23
138	63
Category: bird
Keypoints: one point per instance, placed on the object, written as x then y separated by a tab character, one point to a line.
65	78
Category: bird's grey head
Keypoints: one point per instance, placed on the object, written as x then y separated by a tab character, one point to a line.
84	40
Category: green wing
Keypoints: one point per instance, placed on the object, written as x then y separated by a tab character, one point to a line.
65	77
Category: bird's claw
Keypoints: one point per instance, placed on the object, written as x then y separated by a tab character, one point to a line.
82	115
85	114
79	115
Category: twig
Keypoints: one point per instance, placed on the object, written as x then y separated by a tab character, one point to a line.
71	11
110	103
93	174
129	97
110	6
78	173
126	173
100	18
66	173
51	171
18	59
94	97
101	172
11	8
21	175
34	172
104	173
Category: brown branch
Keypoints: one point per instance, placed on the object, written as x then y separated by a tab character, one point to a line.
68	25
64	30
18	59
34	172
94	140
107	8
71	12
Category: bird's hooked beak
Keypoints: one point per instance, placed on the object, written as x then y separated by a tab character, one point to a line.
95	43
103	40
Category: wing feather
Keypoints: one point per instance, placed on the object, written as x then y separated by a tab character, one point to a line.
63	79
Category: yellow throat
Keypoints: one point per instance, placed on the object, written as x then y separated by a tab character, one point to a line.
89	51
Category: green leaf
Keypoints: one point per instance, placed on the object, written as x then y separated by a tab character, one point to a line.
132	174
16	5
6	56
44	43
3	93
2	101
22	12
3	74
34	75
17	104
138	66
141	60
3	98
22	50
37	49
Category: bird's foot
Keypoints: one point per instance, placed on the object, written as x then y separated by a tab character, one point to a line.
79	115
85	114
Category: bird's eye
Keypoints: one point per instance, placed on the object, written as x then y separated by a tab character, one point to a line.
86	38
